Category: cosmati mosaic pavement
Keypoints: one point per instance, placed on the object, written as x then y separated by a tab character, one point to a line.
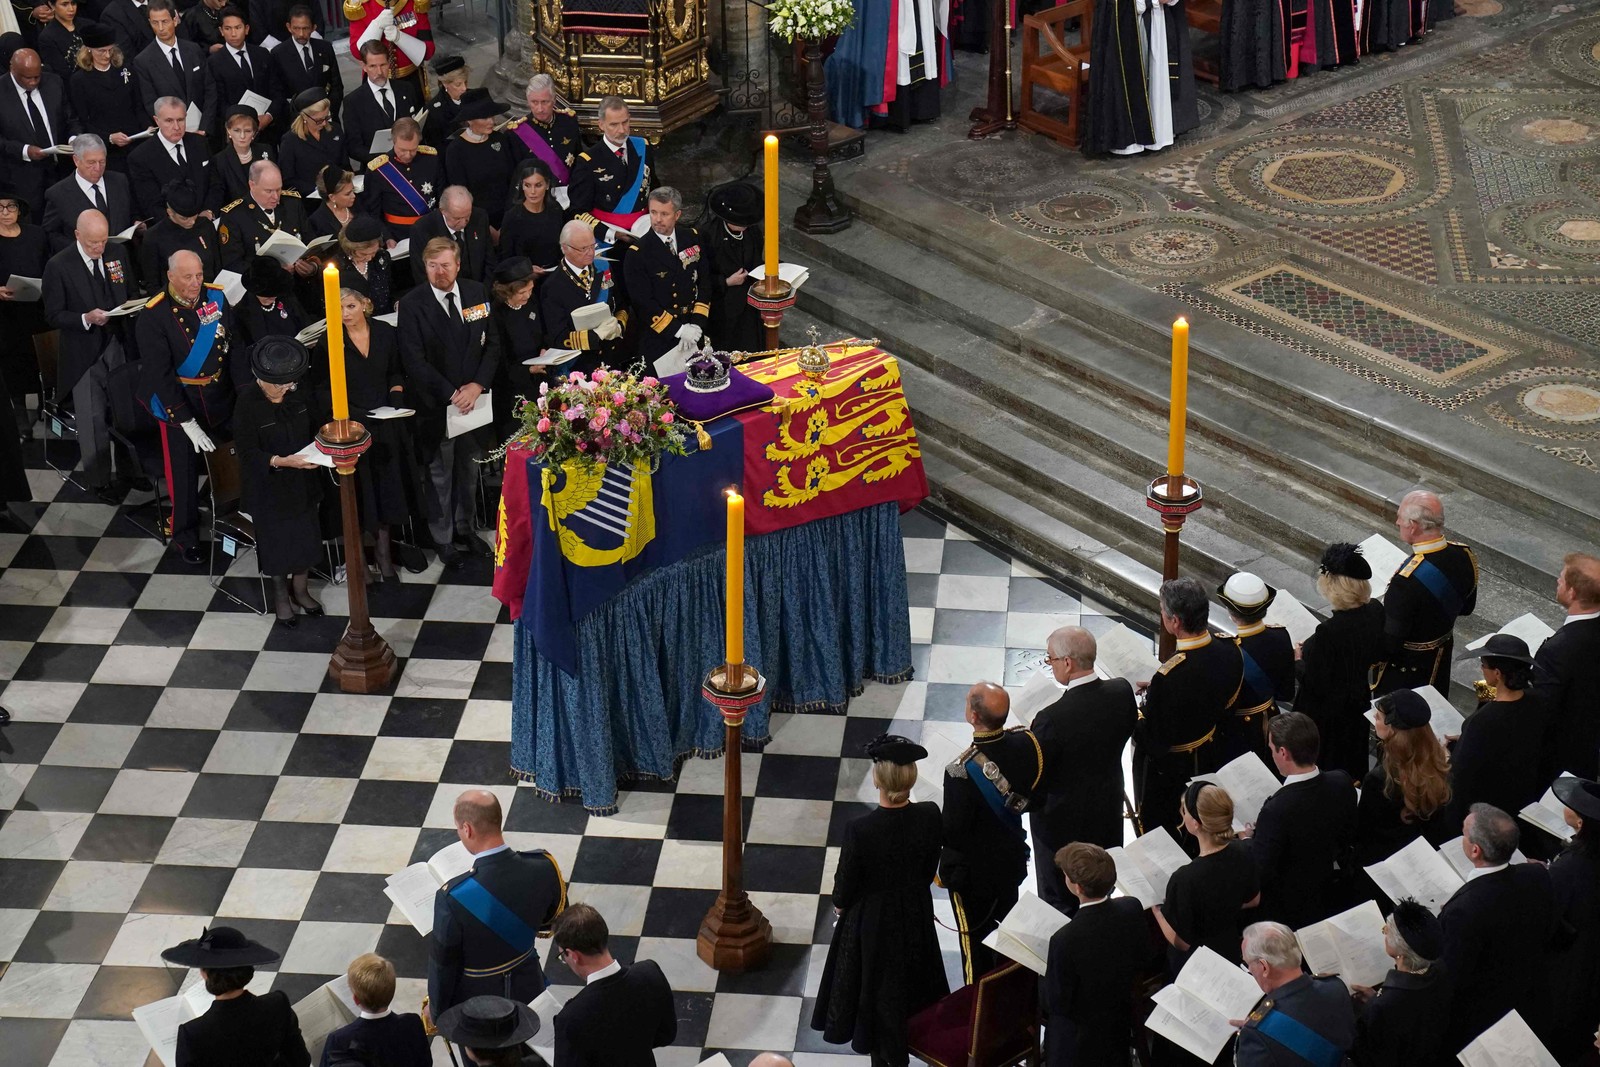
1427	219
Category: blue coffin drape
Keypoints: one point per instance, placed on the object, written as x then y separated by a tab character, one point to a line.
825	611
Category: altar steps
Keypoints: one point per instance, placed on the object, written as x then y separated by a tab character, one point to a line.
1044	421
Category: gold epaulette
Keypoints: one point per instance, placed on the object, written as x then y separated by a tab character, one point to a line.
214	285
583	155
567	111
291	192
514	123
587	219
427	149
1171	663
154	300
377	161
229	207
354	9
1412	564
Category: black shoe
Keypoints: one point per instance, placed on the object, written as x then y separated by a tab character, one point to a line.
192	555
312	609
475	546
452	559
110	494
413	558
5	716
290	623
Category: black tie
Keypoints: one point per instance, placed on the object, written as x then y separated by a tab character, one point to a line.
183	164
99	199
450	308
177	67
461	242
41	132
388	107
102	287
305	50
244	65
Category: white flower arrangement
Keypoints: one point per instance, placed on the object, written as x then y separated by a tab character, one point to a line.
809	20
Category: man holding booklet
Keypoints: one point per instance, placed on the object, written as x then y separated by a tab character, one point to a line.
1302	1019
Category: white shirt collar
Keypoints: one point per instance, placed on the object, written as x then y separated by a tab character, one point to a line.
439	295
237	52
1085	680
376	89
384	1014
498	848
1306	776
1479	872
1091	903
1584	617
87	262
667	238
173	146
88	188
573	267
607	971
615	148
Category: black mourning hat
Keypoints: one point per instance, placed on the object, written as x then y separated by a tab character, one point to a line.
1346	560
219	947
478	104
363	228
1503	646
1579	794
892	748
737	203
443	65
513	270
1419	928
182	198
10	192
240	111
279	360
265	276
95	35
1405	709
488	1022
306	99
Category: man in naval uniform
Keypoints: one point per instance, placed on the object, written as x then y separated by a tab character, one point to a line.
1184	704
404	183
549	134
249	220
182	337
1301	1020
1267	656
986	790
577	282
611	183
667	279
486	922
1427	594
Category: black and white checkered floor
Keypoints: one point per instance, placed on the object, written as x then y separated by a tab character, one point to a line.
175	761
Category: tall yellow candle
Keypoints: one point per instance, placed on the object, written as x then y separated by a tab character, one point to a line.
1178	417
770	174
735	613
330	300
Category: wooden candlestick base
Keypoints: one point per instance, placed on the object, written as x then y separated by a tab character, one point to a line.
363	662
734	936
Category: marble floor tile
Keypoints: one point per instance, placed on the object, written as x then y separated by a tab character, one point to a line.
400	633
14	924
680	963
44	990
12	653
1028	629
138	664
177	592
371	849
806	735
690	865
243	631
461	603
781	821
639	814
144	937
101	1043
965	664
288	672
206	842
19	585
753	1021
923	554
130	555
902	701
562	847
42	835
42	701
793	915
921	625
704	776
261	893
249	752
191	709
501	644
310	799
327	948
93	885
148	792
346	713
61	519
818	962
91	745
622	905
84	625
407	759
485	720
448	679
14	779
973	592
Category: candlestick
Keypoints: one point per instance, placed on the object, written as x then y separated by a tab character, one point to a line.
735	614
1178	417
770	176
330	300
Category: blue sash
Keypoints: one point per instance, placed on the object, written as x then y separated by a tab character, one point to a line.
628	199
483	905
1300	1039
991	794
1260	684
194	362
1434	581
402	185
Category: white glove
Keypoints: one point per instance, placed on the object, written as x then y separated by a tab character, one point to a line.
609	330
390	33
690	332
375	27
197	437
413	49
675	361
384	18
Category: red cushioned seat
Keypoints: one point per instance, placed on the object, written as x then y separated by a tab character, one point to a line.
994	1023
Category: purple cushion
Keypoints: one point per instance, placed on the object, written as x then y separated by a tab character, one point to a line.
741	394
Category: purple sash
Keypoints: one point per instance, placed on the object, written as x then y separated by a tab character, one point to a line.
529	136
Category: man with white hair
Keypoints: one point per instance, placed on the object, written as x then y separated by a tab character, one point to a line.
580	280
549	134
89	187
1301	1019
1438	584
459	219
250	220
171	155
668	287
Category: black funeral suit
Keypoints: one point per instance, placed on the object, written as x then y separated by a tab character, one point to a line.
985	857
157	77
1497	931
88	353
393	190
1082	736
393	1040
67	199
294	76
668	288
1087	990
1303	830
883	962
130	22
564	291
1187	700
167	237
364	114
1319	1005
229	82
154	164
477	249
183	350
1267	660
1403	1024
485	923
1566	671
246	1031
18	129
1426	595
618	1020
245	224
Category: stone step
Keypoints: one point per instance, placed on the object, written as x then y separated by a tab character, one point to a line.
1057	357
1499	480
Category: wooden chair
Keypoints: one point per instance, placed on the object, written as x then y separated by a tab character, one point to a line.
993	1023
1062	69
1206	16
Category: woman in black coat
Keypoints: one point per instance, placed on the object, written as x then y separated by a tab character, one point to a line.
516	320
1496	759
314	141
24	250
1575	963
105	95
60	40
282	491
239	1029
734	243
479	157
1335	660
531	226
1407	794
337	207
884	964
230	168
364	263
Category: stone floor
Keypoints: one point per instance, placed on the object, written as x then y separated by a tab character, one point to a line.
1428	220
